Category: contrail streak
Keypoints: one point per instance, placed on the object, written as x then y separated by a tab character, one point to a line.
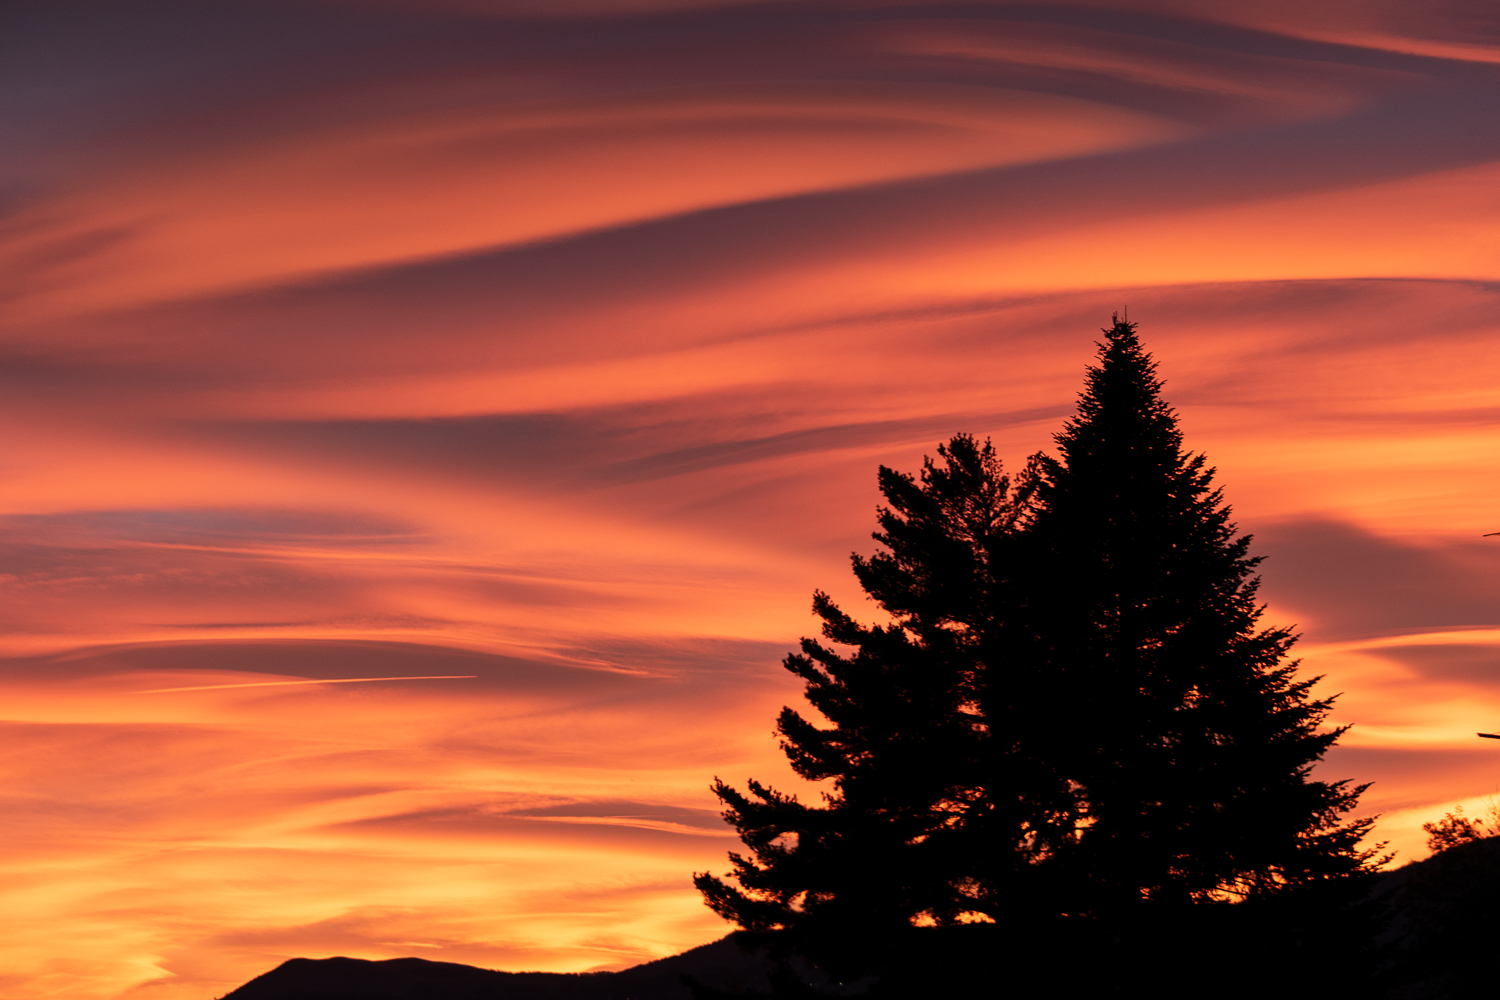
331	680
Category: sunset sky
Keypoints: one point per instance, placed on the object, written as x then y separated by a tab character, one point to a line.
548	349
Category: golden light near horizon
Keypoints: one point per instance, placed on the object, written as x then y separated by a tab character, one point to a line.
426	423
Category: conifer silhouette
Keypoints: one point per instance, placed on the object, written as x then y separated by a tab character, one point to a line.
903	834
1191	739
1072	712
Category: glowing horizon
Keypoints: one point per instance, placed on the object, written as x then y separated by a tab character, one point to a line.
554	347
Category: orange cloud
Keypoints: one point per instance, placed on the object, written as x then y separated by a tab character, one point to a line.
426	423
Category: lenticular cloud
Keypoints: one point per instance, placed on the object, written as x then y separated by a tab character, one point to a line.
530	366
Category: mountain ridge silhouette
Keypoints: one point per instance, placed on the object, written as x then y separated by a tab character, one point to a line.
723	964
951	961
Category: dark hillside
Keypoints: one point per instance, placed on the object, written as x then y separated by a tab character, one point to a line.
722	964
955	962
1446	922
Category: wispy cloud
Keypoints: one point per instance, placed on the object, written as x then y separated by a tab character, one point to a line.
320	680
550	350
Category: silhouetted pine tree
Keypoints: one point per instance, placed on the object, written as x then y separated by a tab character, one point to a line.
1188	734
926	806
1071	713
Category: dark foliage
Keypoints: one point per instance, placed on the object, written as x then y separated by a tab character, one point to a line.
1189	735
1071	726
904	833
1455	828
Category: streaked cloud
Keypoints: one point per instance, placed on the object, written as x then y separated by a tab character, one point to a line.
554	348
